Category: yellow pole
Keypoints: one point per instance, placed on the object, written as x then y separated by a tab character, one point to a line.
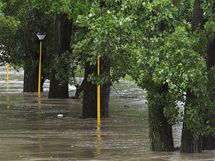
40	64
98	96
7	76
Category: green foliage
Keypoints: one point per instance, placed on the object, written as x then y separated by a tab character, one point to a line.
72	8
8	26
33	16
149	40
152	42
107	34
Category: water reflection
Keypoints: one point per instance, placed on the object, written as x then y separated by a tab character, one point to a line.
8	101
98	141
30	129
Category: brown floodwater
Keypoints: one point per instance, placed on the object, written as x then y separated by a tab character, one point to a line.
33	129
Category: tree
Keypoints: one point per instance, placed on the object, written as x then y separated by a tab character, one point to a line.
164	45
89	108
63	31
208	140
23	45
8	26
100	39
190	142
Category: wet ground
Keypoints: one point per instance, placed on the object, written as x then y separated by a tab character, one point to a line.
33	129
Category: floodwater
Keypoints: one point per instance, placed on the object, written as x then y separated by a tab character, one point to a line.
33	129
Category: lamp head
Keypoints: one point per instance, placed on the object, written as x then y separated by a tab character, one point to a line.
41	36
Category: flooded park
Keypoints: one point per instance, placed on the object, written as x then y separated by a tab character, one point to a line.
104	80
42	129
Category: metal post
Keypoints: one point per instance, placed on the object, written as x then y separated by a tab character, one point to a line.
40	65
98	96
7	69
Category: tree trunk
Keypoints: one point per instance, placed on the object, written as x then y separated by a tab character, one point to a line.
208	142
105	88
89	109
63	30
211	55
189	142
56	89
160	131
197	15
30	79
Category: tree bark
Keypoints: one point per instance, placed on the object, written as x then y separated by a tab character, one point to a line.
89	108
160	131
63	30
56	89
30	79
189	142
211	54
197	15
208	141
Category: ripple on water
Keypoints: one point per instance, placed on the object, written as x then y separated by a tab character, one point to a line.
31	131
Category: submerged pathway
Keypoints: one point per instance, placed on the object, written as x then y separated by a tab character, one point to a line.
52	130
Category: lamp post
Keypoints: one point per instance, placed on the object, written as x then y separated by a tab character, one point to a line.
41	38
7	69
98	96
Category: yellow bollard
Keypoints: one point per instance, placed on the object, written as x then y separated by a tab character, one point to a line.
98	96
7	70
40	67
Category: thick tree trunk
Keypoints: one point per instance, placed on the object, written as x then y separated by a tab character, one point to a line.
208	141
63	31
160	131
105	88
197	15
31	79
89	109
56	89
189	142
211	54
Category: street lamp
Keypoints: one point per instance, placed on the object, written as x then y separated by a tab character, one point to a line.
41	38
98	95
